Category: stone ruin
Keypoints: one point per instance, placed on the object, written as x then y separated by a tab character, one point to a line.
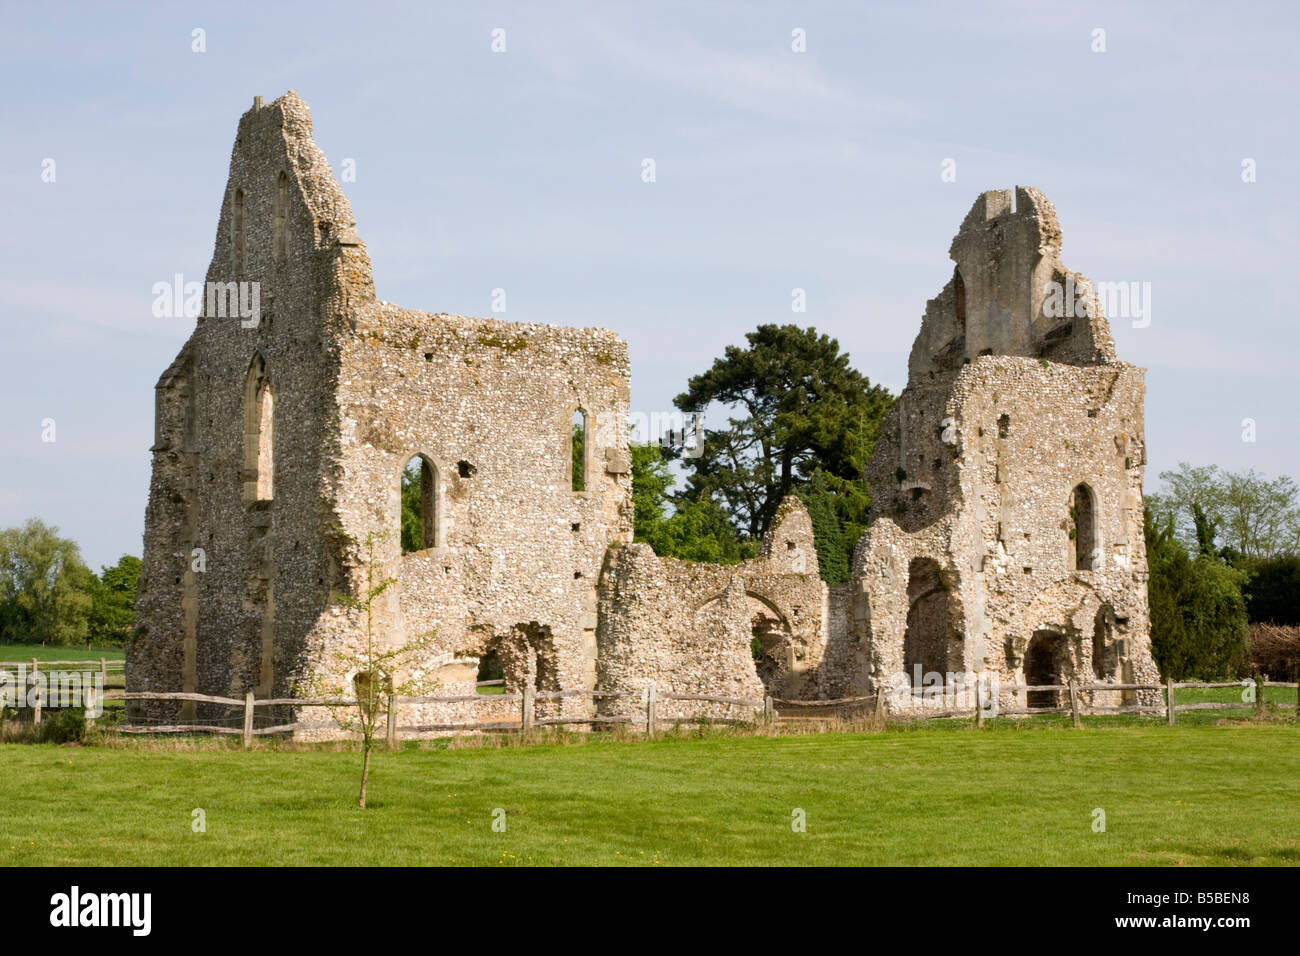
1005	537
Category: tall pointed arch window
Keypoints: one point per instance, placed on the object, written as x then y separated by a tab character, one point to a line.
419	528
578	451
259	424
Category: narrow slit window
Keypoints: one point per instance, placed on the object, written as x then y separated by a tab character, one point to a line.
419	505
578	463
237	229
1083	528
960	290
279	232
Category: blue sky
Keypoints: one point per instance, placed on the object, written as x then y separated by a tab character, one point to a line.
774	170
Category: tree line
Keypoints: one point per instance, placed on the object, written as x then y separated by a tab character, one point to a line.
49	596
1223	549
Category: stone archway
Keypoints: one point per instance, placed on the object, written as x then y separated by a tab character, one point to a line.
771	643
932	639
1047	661
526	657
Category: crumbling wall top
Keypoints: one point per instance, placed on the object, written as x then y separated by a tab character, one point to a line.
288	119
1010	294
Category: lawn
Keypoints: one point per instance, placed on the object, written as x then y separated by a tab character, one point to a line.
1017	792
17	653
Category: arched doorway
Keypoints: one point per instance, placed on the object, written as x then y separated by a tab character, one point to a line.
1047	661
770	643
523	656
931	643
1104	652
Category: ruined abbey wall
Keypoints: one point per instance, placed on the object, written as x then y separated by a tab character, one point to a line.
281	444
690	627
236	569
1006	528
516	552
1005	537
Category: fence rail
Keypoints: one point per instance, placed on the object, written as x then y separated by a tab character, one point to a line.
527	699
947	700
98	663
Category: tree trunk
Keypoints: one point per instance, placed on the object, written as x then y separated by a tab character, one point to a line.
365	771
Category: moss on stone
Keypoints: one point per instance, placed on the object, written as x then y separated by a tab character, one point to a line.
494	341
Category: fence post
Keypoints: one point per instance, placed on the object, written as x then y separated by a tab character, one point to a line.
89	702
392	722
1169	699
526	711
1259	694
650	716
769	709
40	696
1074	701
979	700
248	720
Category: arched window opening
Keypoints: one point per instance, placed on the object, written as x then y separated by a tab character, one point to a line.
929	643
280	231
237	229
578	444
1083	529
419	505
259	425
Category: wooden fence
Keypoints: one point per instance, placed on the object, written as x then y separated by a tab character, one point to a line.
527	701
112	674
107	668
767	710
979	709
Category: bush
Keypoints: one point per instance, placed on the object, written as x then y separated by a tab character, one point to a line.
1275	651
1272	590
1198	615
66	725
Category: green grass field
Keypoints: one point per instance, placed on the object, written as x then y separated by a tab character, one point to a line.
58	652
1015	793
